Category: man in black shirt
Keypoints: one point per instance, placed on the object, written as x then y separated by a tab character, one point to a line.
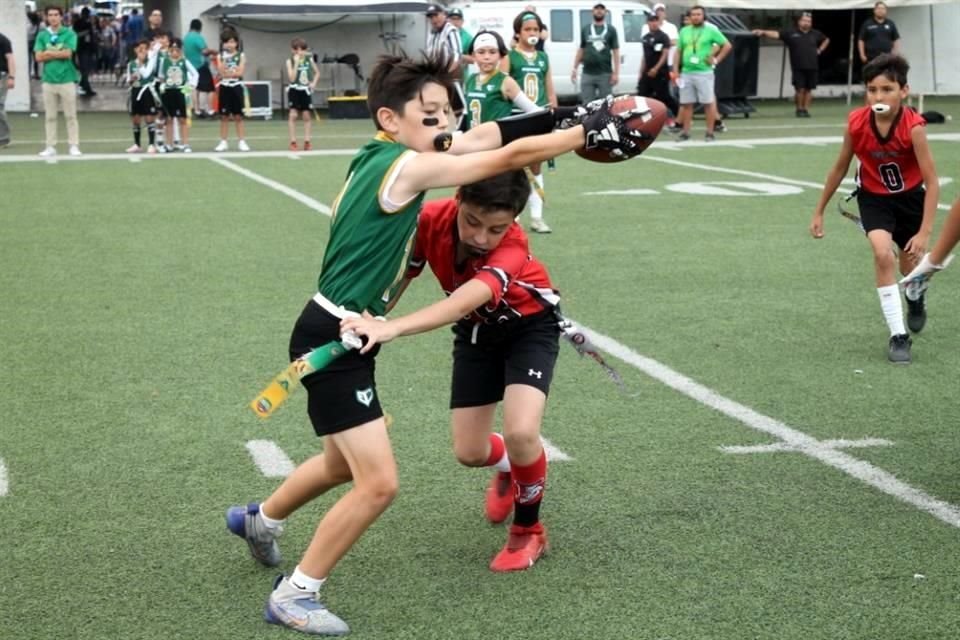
878	35
805	44
86	50
7	72
654	77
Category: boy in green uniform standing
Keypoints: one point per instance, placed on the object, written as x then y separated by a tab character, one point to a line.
303	74
54	49
177	79
372	230
530	67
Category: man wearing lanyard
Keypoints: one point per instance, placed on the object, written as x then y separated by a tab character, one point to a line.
600	54
696	43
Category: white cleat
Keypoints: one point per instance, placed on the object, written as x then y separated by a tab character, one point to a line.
134	148
49	152
75	151
539	226
223	146
242	145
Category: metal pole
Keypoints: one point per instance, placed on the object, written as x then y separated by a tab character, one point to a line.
933	52
783	68
853	36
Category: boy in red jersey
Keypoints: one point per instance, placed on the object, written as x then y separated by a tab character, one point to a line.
895	164
505	345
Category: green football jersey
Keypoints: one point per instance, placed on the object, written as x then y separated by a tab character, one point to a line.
304	72
231	61
174	73
531	74
485	101
368	249
133	70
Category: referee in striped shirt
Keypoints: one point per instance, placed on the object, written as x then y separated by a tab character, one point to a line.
445	38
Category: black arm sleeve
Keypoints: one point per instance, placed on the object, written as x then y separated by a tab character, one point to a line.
534	123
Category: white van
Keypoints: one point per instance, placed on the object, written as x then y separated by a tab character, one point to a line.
565	21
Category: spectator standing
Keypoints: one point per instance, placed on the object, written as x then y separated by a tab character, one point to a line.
8	72
108	45
878	35
133	32
195	50
86	50
455	17
155	24
600	54
33	29
805	44
698	58
654	77
444	39
55	48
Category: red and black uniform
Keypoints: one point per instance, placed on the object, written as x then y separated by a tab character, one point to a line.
514	338
891	184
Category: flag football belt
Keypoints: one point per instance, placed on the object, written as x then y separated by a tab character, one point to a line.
333	309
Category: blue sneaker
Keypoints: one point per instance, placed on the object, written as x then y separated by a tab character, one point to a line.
301	611
246	523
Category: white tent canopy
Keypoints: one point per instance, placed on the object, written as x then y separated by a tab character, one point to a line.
810	5
307	9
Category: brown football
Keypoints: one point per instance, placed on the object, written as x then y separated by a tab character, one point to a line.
651	121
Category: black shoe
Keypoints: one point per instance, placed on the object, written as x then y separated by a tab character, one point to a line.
799	113
683	137
900	349
916	314
719	127
709	137
806	114
675	128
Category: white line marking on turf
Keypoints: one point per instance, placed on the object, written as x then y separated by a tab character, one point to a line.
623	192
664	143
751	174
803	443
824	444
4	482
270	459
553	454
273	184
196	155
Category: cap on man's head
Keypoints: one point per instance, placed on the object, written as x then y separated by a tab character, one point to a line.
455	13
659	6
806	14
434	9
600	5
652	16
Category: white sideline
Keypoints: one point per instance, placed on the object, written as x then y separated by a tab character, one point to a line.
270	459
4	483
826	444
863	471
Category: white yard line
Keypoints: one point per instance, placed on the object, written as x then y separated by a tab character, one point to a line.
826	444
751	174
196	155
270	459
273	184
801	442
4	482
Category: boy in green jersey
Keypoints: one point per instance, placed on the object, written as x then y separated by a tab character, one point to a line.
492	94
142	103
177	78
303	74
373	224
531	69
231	96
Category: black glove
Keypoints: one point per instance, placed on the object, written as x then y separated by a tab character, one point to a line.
568	117
605	130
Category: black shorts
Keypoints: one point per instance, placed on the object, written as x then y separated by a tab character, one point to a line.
204	78
144	105
174	103
299	100
231	100
344	393
805	78
522	351
898	213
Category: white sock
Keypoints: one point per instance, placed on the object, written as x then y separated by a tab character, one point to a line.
268	521
536	205
892	308
302	581
176	131
503	464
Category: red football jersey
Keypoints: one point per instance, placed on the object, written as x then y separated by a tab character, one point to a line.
518	281
887	165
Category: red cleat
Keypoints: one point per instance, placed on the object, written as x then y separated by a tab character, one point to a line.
293	145
525	545
307	146
499	499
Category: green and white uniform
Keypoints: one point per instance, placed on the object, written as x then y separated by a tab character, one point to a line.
230	61
370	237
485	100
531	74
175	75
304	73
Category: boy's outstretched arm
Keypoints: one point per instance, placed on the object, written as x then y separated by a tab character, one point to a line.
460	303
832	183
917	245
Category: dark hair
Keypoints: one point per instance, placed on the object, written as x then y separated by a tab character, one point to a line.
298	43
52	7
697	6
196	25
229	34
176	43
888	65
509	191
141	41
881	3
162	34
500	44
395	80
519	20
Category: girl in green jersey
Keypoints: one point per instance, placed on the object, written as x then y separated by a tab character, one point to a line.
531	69
492	94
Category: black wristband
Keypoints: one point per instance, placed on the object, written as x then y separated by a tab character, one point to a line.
563	113
526	124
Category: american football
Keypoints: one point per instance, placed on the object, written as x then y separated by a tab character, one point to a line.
650	121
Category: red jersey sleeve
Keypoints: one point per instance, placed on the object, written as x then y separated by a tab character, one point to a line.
502	265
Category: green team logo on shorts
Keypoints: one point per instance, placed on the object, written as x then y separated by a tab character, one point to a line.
364	396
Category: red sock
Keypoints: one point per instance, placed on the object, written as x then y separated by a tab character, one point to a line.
497	449
529	483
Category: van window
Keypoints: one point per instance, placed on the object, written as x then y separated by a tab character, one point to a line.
633	24
561	25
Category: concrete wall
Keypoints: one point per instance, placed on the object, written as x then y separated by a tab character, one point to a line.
13	24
